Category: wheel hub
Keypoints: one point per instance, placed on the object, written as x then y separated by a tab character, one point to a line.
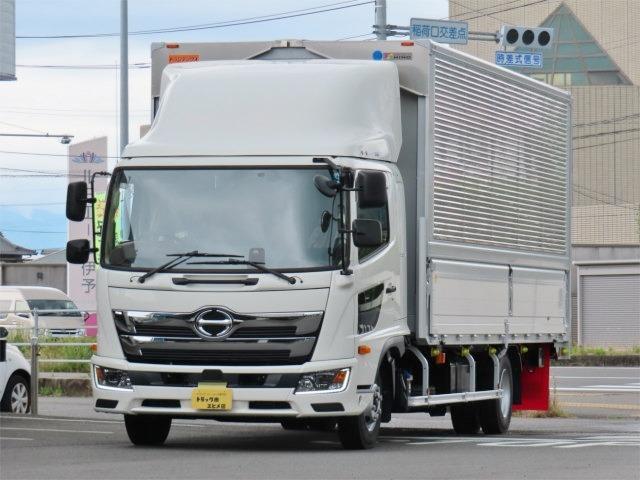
19	398
374	413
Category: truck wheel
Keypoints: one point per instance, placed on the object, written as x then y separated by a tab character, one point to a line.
17	395
361	432
495	415
147	429
464	418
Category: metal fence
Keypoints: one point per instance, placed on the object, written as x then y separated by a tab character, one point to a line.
40	335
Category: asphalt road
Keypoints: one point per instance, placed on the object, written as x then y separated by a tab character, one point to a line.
597	391
603	443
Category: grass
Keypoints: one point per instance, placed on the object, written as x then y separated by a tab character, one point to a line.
578	350
47	391
62	352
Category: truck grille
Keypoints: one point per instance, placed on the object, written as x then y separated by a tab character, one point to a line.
256	339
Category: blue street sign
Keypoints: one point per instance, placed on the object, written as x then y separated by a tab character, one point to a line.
440	31
519	59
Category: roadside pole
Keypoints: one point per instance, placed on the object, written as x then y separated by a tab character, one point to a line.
34	364
124	75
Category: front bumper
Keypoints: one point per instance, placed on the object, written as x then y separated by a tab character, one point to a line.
247	402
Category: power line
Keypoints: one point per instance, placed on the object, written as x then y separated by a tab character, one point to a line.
22	127
88	66
42	204
606	143
48	154
608	120
600	134
229	23
28	231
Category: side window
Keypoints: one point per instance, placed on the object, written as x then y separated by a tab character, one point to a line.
382	215
21	306
369	304
5	306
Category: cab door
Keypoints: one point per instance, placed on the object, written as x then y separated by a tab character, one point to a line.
377	270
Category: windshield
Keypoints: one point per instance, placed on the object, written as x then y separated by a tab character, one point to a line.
270	216
68	305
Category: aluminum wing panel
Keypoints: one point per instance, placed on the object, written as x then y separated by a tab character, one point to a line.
500	159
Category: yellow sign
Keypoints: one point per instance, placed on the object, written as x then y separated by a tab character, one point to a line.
184	57
212	396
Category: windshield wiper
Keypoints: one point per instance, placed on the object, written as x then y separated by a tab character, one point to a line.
256	265
181	258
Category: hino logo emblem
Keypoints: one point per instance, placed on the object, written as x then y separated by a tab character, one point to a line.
214	323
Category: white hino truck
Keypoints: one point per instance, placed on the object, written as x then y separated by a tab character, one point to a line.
323	234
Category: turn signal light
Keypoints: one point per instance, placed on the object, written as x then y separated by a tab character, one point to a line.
364	349
172	45
441	358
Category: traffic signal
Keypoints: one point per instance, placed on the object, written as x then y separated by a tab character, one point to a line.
526	37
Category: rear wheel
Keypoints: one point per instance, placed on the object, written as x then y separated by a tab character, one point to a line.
17	395
147	429
464	418
495	415
361	432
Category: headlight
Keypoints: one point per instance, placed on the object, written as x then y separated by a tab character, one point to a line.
111	378
327	381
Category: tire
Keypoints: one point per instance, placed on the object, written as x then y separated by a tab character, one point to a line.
495	415
313	425
147	429
361	432
17	395
464	418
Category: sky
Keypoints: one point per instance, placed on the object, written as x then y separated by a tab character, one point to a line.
83	102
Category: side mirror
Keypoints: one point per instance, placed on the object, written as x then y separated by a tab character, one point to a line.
372	189
77	201
78	251
325	186
367	233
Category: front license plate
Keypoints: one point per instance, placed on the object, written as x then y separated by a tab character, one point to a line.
212	396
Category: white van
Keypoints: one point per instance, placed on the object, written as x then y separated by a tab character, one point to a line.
57	315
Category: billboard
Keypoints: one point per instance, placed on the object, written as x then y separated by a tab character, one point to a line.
7	39
85	159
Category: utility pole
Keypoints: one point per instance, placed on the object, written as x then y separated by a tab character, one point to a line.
381	19
124	75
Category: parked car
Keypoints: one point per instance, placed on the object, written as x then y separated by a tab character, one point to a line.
57	315
15	377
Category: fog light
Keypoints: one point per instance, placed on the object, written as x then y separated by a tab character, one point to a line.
326	381
110	378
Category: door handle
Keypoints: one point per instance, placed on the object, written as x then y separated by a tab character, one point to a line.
391	289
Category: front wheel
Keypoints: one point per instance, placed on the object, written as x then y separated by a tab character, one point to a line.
361	432
495	415
147	429
17	396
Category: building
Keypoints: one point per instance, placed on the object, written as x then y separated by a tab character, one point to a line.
12	253
595	57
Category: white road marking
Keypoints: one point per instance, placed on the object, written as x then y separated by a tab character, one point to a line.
580	442
17	438
83	420
596	378
612	389
58	430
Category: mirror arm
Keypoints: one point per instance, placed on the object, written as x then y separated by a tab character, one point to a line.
344	233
